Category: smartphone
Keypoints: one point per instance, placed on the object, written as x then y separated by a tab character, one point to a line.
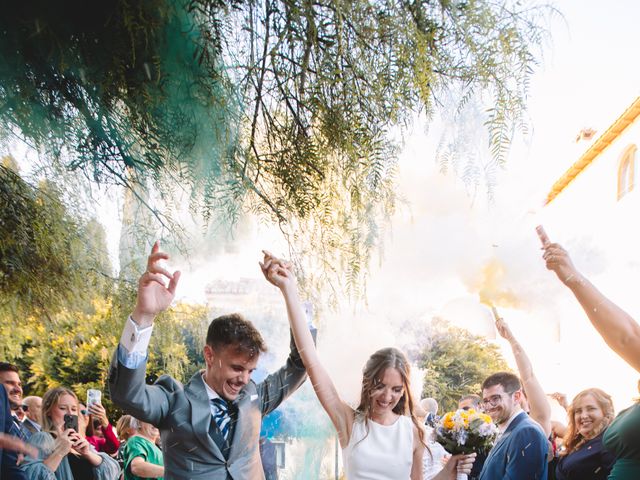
93	396
71	421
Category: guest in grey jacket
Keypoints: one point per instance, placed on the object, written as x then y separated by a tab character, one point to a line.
209	427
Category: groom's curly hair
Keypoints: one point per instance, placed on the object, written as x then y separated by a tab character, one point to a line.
235	331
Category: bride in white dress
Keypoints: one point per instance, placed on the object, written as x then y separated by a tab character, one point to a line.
381	438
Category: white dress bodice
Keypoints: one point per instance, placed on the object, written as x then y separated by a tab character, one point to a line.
384	453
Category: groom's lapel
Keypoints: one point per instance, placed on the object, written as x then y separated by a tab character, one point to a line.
201	418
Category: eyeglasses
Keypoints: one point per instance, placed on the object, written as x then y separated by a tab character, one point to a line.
15	408
494	400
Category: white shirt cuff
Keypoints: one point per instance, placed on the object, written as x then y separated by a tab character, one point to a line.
135	339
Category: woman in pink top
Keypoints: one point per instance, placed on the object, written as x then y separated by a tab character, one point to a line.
100	433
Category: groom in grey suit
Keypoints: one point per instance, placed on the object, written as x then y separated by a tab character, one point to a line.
210	427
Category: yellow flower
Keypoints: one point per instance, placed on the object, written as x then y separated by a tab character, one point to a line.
447	422
464	415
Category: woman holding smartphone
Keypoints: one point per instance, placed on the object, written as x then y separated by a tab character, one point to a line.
99	433
63	451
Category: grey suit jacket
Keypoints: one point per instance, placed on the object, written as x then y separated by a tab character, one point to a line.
183	415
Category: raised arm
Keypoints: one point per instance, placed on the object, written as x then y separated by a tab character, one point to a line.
618	329
540	410
156	290
279	273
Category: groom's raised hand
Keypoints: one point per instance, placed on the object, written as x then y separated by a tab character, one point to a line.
154	295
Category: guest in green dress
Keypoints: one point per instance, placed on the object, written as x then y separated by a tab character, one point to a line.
622	438
141	457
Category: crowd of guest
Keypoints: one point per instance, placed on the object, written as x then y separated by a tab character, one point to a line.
70	440
593	443
59	437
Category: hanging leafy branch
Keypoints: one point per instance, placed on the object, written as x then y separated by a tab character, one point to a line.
281	107
48	258
327	80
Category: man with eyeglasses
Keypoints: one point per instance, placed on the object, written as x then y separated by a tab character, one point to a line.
520	452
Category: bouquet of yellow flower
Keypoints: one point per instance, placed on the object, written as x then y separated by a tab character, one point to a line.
466	431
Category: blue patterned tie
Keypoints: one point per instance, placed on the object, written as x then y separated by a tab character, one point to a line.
222	416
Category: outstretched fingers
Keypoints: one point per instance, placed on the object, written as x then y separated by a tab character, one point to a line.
153	265
542	235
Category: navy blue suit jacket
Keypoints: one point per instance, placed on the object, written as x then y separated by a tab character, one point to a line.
9	469
520	454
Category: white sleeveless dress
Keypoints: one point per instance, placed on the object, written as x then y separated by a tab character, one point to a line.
386	453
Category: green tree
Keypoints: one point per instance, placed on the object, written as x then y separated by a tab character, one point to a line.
281	107
75	349
49	258
61	311
456	363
